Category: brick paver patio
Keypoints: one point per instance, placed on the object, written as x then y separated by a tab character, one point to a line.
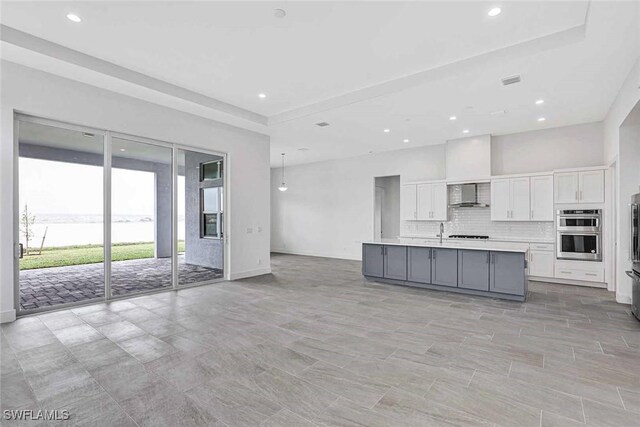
45	287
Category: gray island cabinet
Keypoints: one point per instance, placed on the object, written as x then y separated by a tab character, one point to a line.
498	271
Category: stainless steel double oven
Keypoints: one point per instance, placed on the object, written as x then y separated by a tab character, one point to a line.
579	234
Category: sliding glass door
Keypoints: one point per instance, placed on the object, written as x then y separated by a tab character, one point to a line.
104	215
60	216
200	195
141	212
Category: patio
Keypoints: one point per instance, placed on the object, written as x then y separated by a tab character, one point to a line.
47	287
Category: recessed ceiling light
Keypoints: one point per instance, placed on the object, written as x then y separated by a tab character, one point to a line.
465	131
541	119
262	95
122	149
494	12
405	140
540	102
452	118
387	130
73	17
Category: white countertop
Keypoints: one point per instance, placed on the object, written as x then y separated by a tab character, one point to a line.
491	239
455	244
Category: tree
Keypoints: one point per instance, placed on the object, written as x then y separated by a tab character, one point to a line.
26	221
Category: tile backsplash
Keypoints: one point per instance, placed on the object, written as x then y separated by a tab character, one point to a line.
478	221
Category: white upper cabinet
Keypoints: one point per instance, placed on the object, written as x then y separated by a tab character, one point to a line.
542	198
591	186
440	204
500	200
520	201
408	202
579	187
424	202
566	187
510	199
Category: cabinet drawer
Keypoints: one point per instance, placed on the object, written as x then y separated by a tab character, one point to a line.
587	276
541	247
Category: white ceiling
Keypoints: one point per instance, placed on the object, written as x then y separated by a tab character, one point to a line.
361	66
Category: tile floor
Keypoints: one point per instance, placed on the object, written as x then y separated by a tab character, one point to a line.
315	344
45	287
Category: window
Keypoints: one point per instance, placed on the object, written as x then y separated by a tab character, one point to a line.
211	212
211	170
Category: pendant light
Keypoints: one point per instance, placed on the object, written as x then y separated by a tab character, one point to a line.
283	186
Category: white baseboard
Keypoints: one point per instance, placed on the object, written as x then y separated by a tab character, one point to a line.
250	273
7	316
623	299
314	253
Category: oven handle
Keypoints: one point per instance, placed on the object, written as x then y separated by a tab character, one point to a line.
579	233
633	276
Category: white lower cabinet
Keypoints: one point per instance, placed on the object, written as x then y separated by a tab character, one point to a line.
587	271
541	263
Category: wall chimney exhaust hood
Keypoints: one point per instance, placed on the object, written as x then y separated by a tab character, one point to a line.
469	198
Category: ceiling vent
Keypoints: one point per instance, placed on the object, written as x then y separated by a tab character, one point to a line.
322	124
510	80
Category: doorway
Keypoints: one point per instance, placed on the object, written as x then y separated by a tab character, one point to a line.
386	217
102	215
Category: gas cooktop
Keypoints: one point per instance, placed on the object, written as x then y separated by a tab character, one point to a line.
467	236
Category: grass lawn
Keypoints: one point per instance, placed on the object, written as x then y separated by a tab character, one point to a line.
88	254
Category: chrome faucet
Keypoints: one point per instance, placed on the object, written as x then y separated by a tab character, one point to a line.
441	231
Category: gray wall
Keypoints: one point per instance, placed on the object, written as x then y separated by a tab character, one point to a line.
199	251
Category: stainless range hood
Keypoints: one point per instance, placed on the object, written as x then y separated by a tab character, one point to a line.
469	198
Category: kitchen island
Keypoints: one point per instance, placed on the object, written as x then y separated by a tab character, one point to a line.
493	269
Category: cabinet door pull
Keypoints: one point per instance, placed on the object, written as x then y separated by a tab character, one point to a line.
429	253
577	198
581	195
566	272
532	214
488	258
590	274
434	254
493	258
